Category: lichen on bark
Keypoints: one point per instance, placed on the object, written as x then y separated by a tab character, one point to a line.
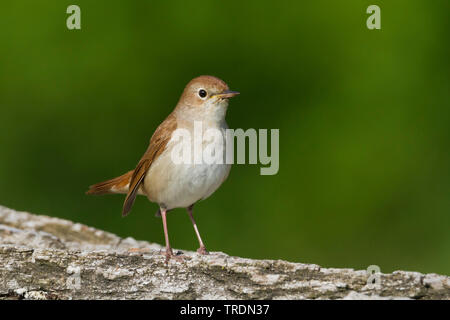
49	258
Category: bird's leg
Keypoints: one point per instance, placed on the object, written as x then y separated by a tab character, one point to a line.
169	253
202	249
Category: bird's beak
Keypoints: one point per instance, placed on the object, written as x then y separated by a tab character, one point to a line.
226	94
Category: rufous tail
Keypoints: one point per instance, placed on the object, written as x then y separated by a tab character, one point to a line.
116	185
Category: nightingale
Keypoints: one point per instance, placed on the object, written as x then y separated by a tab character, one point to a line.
178	185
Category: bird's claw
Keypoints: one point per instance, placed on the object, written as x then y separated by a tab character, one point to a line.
202	250
168	253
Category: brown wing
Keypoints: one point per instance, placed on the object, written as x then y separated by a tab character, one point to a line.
157	145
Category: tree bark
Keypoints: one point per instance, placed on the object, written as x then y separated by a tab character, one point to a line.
49	258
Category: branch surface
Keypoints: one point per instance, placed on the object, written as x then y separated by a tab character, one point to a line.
49	258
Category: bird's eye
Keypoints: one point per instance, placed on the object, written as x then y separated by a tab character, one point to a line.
202	93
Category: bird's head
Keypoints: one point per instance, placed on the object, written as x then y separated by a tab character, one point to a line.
205	97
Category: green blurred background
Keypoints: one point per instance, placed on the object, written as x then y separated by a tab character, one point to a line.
363	116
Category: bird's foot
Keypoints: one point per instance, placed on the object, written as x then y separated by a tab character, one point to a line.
202	250
170	255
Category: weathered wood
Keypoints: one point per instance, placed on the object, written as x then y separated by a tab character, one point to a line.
49	258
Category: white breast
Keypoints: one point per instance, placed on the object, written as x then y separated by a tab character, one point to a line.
181	185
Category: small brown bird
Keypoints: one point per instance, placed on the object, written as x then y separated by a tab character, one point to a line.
178	185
